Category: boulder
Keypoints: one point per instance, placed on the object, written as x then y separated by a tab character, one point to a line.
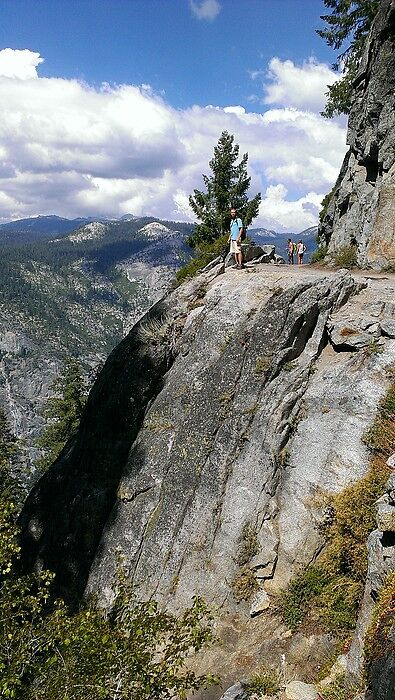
296	690
391	461
385	514
388	328
260	602
235	692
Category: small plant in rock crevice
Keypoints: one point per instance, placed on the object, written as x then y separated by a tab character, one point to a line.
264	682
244	585
248	545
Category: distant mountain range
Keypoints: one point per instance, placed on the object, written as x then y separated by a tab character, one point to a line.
76	286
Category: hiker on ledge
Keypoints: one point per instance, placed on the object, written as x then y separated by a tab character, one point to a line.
236	230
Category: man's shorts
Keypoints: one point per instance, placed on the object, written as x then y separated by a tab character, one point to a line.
235	247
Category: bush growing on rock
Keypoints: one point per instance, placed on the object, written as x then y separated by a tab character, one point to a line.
330	590
346	257
49	653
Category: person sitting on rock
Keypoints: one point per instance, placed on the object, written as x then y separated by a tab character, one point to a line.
236	230
290	250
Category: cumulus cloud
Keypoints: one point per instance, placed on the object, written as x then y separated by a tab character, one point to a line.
19	64
288	85
71	149
289	215
205	9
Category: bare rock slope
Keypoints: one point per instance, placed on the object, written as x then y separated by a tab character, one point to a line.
208	440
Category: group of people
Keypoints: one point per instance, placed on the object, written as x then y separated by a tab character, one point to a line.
295	250
237	234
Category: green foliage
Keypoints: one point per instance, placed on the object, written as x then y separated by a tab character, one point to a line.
206	252
226	187
296	599
331	589
319	254
346	257
47	653
62	411
347	28
265	682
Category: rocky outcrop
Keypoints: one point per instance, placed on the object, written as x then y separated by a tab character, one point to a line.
361	211
208	440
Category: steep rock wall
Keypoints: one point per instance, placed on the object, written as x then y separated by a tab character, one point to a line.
361	212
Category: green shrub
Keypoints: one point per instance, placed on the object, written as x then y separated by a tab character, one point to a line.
206	252
47	653
346	257
319	254
297	598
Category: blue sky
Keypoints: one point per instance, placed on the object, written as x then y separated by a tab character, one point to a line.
120	102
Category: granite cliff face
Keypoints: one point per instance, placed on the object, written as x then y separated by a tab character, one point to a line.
230	408
361	211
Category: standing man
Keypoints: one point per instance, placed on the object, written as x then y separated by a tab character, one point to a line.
290	251
236	229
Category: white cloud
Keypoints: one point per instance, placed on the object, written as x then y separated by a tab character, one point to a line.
19	64
71	149
303	87
205	9
294	215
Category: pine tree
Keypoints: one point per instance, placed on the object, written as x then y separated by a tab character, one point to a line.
226	187
62	411
350	21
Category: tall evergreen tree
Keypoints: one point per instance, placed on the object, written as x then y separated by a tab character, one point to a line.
226	187
347	27
62	411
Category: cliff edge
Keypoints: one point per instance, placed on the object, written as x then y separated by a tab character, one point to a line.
361	209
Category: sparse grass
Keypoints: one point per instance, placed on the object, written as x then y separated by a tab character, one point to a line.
338	689
248	545
154	330
377	643
374	348
289	366
346	257
244	584
330	590
264	682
